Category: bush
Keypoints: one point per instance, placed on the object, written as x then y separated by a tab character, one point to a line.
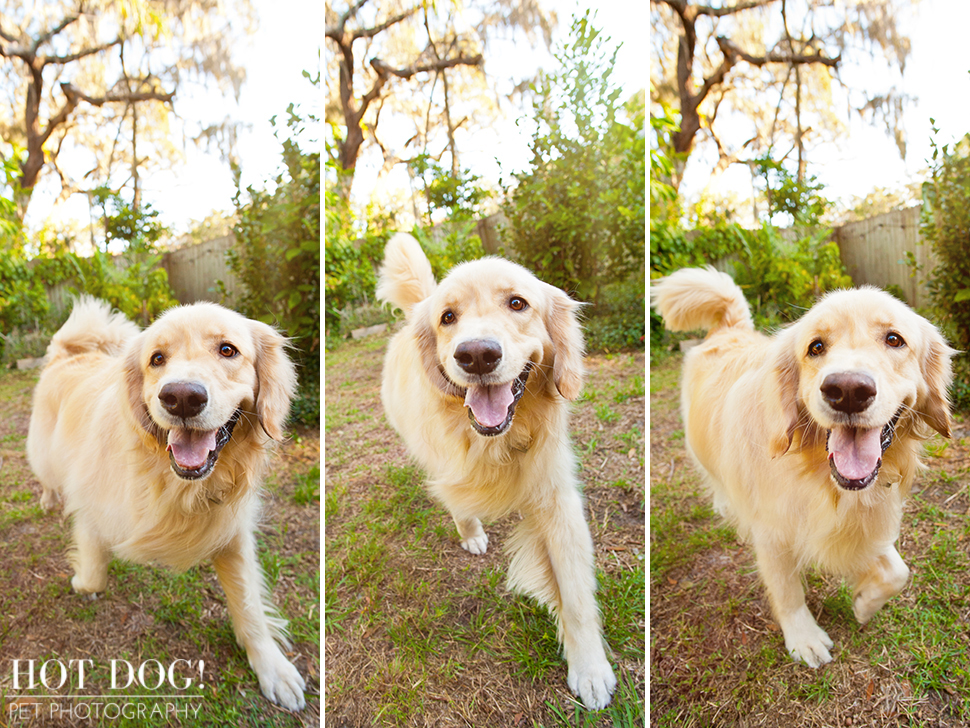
277	256
945	226
576	216
616	323
782	278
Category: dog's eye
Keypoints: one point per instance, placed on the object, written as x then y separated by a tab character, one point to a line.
816	348
448	318
894	340
158	358
518	304
228	351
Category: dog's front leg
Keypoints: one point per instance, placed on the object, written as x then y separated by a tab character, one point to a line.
804	639
554	562
257	626
884	579
90	558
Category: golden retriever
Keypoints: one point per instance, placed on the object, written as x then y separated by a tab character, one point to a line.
156	442
809	439
477	383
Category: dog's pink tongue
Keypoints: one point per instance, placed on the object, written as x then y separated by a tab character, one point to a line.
856	452
190	448
489	404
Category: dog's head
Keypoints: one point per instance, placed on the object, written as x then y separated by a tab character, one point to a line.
858	364
198	371
490	331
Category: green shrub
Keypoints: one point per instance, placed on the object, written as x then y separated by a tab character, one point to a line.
616	323
277	255
576	215
945	226
783	278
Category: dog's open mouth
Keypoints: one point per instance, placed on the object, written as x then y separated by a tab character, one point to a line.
491	407
855	454
193	453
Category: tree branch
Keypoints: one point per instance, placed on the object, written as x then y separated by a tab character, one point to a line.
74	94
461	60
730	50
371	32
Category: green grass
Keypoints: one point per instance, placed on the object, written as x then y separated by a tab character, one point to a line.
308	487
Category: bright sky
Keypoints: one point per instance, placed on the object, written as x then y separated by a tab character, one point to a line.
287	42
502	149
936	74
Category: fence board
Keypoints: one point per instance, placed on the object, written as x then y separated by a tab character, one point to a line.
874	251
194	270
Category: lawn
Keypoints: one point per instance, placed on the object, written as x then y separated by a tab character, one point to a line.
420	633
173	630
717	658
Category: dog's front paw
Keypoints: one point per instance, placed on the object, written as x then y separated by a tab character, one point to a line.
594	684
477	544
473	537
88	592
48	500
805	641
281	682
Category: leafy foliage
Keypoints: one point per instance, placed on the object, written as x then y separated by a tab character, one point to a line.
800	202
458	196
576	215
781	275
782	278
945	226
138	287
133	282
277	256
353	257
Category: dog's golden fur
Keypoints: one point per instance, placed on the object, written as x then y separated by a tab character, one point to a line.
100	441
761	419
527	465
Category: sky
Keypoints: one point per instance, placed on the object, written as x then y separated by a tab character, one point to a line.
866	157
287	42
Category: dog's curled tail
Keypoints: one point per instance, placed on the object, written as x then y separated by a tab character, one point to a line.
405	278
92	326
700	298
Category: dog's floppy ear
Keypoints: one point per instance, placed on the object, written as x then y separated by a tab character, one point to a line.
427	341
275	379
932	402
562	323
781	397
134	385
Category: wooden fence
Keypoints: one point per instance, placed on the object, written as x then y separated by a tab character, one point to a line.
194	271
875	251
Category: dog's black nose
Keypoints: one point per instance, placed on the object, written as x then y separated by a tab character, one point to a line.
183	399
849	392
479	356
